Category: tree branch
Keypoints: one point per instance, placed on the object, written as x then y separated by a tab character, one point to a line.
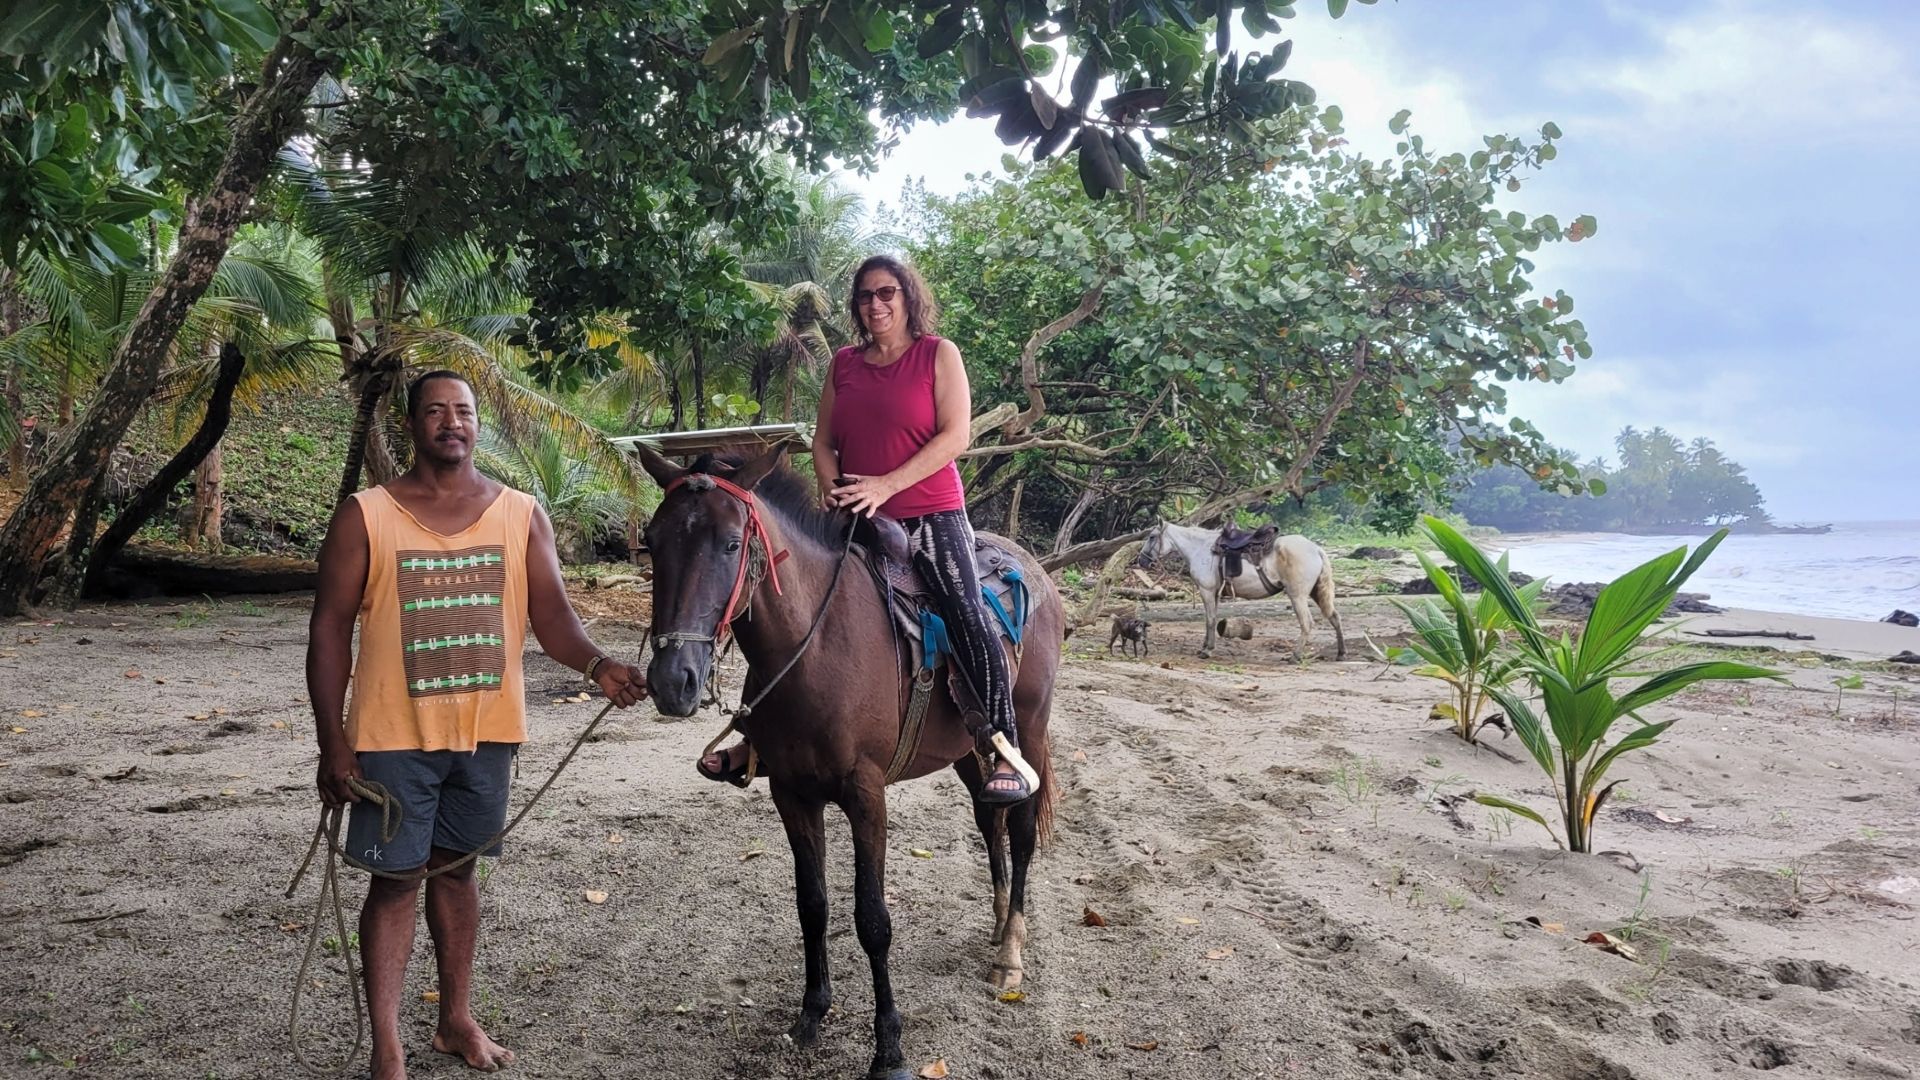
1030	355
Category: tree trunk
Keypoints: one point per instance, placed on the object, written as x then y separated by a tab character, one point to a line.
371	391
203	517
17	447
675	403
699	386
1013	510
271	116
209	504
1071	523
762	379
69	570
382	466
153	495
11	318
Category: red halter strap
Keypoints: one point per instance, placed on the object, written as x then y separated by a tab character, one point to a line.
756	536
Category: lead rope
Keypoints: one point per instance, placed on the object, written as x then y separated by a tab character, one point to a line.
734	716
328	830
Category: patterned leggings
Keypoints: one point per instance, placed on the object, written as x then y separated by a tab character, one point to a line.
942	544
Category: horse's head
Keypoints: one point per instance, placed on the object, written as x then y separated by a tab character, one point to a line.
1152	546
701	538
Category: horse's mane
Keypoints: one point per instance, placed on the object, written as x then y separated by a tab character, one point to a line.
788	494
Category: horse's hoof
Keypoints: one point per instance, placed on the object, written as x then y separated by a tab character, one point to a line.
805	1032
1005	978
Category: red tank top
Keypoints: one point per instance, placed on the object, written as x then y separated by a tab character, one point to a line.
883	415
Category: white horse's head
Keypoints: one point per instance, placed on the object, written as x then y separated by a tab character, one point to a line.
1153	546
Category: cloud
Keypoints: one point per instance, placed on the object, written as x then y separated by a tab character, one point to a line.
1750	72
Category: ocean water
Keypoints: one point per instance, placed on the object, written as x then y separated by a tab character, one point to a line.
1860	570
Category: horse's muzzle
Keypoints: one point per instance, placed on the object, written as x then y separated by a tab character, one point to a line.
677	676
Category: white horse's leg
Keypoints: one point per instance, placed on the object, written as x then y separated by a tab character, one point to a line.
1323	596
1297	596
1210	603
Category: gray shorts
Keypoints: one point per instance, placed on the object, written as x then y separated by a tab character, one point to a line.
448	799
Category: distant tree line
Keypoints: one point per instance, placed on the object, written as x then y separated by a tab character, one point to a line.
1659	482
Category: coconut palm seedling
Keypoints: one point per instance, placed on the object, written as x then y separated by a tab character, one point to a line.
1575	676
1463	643
1842	684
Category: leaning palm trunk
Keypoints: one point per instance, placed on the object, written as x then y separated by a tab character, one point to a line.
373	387
153	495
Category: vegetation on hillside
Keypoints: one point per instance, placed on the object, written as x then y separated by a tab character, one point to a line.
1659	483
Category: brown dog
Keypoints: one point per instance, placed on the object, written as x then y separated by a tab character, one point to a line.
1131	630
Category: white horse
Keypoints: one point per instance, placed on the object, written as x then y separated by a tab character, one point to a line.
1296	566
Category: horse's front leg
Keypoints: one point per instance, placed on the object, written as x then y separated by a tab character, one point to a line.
866	808
806	834
1210	602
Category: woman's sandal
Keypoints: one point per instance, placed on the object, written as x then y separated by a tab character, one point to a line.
1005	796
737	774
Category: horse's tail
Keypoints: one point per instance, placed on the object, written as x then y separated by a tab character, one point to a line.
1323	585
1045	798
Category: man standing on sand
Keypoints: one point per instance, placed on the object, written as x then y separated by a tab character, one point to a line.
444	568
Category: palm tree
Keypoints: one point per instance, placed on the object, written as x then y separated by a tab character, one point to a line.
434	299
257	303
581	506
814	261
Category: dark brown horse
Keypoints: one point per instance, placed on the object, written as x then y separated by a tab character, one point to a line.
828	729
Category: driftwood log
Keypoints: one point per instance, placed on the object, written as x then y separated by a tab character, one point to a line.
143	570
1787	634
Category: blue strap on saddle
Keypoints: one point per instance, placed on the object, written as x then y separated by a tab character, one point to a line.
933	639
1014	622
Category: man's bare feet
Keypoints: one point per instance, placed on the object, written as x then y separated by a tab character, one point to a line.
469	1042
391	1065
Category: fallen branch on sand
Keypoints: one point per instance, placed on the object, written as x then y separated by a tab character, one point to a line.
1787	634
102	918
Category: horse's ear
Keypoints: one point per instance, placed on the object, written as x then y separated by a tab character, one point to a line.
756	470
664	472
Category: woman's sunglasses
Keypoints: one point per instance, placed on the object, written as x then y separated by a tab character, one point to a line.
884	294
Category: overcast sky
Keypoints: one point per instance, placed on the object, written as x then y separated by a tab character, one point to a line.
1754	167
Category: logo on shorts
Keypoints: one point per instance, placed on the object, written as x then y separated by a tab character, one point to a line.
373	853
450	619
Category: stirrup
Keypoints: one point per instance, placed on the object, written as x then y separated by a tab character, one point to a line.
1011	755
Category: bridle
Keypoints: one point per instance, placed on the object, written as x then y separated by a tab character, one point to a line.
755	566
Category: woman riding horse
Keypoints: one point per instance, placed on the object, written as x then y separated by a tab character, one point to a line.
894	414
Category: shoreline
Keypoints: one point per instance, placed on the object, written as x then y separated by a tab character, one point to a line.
1853	639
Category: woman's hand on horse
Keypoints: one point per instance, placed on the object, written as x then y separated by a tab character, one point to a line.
338	764
624	684
863	495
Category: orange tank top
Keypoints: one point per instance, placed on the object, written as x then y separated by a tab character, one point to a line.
442	624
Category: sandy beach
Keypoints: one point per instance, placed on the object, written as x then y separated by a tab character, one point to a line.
1290	883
